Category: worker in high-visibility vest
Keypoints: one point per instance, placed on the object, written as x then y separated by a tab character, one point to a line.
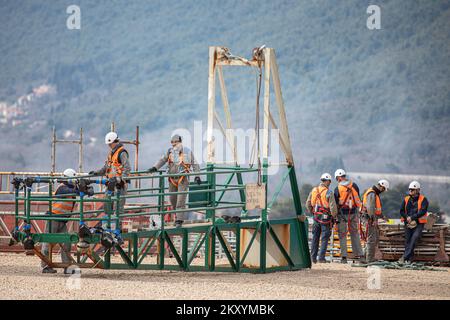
371	211
65	190
117	167
349	202
322	205
180	159
413	212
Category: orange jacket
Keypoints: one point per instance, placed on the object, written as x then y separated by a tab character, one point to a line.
113	166
348	196
378	211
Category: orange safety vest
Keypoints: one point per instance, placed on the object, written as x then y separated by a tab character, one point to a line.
422	219
321	205
114	167
186	167
63	207
348	197
377	202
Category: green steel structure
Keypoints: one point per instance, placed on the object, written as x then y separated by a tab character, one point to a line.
259	230
263	243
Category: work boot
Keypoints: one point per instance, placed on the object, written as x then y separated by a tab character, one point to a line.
314	260
48	270
344	260
71	271
178	223
362	260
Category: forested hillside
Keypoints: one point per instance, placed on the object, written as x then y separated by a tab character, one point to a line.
370	100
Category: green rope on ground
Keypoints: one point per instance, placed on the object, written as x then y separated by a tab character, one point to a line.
398	265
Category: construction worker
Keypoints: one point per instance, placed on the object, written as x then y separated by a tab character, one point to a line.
322	205
180	160
371	211
347	198
413	212
61	209
116	169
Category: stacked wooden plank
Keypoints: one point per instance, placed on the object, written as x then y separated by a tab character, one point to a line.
434	246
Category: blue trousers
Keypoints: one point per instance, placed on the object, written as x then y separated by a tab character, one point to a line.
412	236
320	232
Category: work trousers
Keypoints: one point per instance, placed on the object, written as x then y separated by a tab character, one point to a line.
57	227
412	236
349	223
178	201
320	232
112	207
373	235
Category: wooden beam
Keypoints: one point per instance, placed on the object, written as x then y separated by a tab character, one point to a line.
237	62
267	57
226	107
274	125
211	103
222	129
279	98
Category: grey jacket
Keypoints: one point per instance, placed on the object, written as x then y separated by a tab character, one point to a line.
175	166
370	204
331	200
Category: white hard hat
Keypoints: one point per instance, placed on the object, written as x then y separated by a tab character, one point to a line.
175	138
384	183
339	173
414	185
69	173
111	137
325	176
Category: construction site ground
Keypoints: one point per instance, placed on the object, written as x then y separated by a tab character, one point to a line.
21	278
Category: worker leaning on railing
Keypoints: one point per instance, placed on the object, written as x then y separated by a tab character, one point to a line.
66	189
180	160
117	166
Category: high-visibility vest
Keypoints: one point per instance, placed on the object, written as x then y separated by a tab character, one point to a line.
321	205
348	197
377	202
422	219
182	160
63	207
114	167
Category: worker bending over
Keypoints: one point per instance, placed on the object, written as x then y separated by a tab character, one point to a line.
413	212
65	190
322	205
371	211
180	160
116	169
348	201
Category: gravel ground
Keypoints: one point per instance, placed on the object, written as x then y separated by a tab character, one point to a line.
20	278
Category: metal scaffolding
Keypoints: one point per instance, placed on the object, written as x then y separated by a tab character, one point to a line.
262	243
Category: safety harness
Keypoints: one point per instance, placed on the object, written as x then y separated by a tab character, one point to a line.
186	167
346	203
321	205
114	167
364	227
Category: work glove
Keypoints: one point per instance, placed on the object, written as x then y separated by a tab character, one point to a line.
152	170
198	180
